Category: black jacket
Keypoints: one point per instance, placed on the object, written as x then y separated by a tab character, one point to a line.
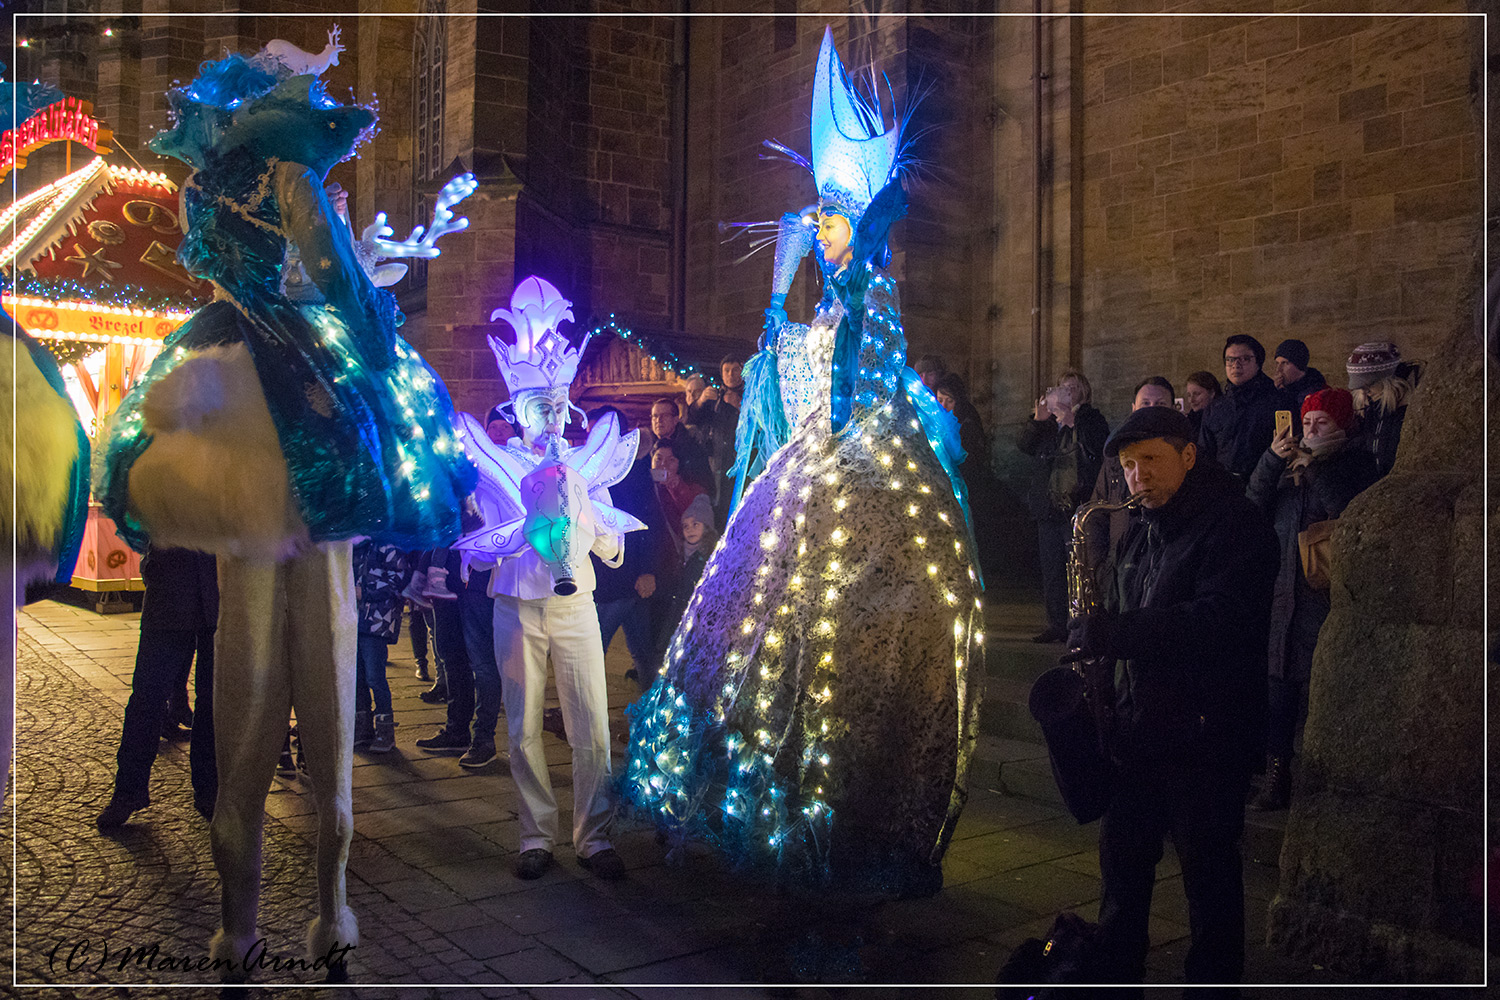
648	551
1325	489
1382	435
1239	425
1191	605
1058	460
182	591
1311	381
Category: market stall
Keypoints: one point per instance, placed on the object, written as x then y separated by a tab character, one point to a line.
96	279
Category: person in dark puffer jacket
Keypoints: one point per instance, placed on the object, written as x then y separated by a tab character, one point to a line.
1239	424
1297	486
381	573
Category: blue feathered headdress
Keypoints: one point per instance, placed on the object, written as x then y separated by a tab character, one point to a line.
258	105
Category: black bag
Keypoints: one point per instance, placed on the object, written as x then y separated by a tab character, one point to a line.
1068	955
1059	703
1062	481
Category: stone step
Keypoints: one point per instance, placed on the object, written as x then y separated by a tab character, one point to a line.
1003	713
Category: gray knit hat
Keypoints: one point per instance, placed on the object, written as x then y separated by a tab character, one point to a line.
701	510
1372	362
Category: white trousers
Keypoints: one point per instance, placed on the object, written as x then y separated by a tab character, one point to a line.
286	639
568	629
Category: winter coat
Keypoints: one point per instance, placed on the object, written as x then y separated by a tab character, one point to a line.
182	591
1311	381
1326	487
648	551
1104	530
1382	435
1064	455
679	589
1192	602
692	457
1239	425
381	572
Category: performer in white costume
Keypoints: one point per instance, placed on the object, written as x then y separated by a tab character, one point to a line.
546	507
277	423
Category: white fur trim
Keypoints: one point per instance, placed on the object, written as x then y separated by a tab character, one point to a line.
322	936
44	440
213	477
232	949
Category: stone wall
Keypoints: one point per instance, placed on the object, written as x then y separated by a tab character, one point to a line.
1307	177
1382	866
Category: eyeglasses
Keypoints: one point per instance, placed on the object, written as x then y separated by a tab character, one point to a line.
1238	359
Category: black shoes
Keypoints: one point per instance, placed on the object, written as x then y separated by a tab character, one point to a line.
119	809
533	864
605	864
435	695
445	741
479	755
422	674
1051	634
552	722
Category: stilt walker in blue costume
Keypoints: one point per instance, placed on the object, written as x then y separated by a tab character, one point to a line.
277	423
815	711
45	454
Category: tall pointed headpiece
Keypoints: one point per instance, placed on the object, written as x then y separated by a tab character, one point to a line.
853	154
541	358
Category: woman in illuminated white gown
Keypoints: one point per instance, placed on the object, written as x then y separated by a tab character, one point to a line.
815	710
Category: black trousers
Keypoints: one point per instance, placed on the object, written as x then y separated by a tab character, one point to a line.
1052	538
160	660
1203	811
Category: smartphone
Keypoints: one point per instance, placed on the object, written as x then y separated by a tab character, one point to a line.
1283	422
1181	408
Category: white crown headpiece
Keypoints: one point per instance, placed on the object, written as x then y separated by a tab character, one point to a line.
853	154
541	358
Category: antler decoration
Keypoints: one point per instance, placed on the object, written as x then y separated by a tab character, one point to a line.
423	242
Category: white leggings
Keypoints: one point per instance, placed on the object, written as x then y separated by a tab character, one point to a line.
286	639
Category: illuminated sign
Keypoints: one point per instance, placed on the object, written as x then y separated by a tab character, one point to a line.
69	119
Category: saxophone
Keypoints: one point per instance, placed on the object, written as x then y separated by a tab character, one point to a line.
1071	703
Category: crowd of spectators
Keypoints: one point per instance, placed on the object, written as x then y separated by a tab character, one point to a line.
1300	451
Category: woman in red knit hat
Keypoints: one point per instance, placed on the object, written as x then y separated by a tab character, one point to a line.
1299	484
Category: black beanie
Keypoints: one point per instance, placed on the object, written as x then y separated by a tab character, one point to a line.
1294	351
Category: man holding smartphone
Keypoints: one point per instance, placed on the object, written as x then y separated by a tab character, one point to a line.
1239	425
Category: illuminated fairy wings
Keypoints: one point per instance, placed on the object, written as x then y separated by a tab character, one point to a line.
601	461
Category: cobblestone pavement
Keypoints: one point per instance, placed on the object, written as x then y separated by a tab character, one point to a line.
430	872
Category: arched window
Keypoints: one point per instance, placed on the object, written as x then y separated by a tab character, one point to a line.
429	55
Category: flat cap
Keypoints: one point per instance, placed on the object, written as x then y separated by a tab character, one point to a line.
1146	423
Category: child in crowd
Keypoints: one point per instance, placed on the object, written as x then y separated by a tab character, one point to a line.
699	535
380	573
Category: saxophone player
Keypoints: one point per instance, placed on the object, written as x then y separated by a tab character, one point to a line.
1184	621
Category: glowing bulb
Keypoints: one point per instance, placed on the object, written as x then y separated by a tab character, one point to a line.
931	569
920	539
840	503
768	540
832	594
837	537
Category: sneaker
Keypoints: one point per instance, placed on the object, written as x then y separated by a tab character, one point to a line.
437	585
435	695
385	734
479	755
533	864
119	809
606	864
414	588
444	741
364	730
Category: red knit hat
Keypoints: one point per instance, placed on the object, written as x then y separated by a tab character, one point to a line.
1337	403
